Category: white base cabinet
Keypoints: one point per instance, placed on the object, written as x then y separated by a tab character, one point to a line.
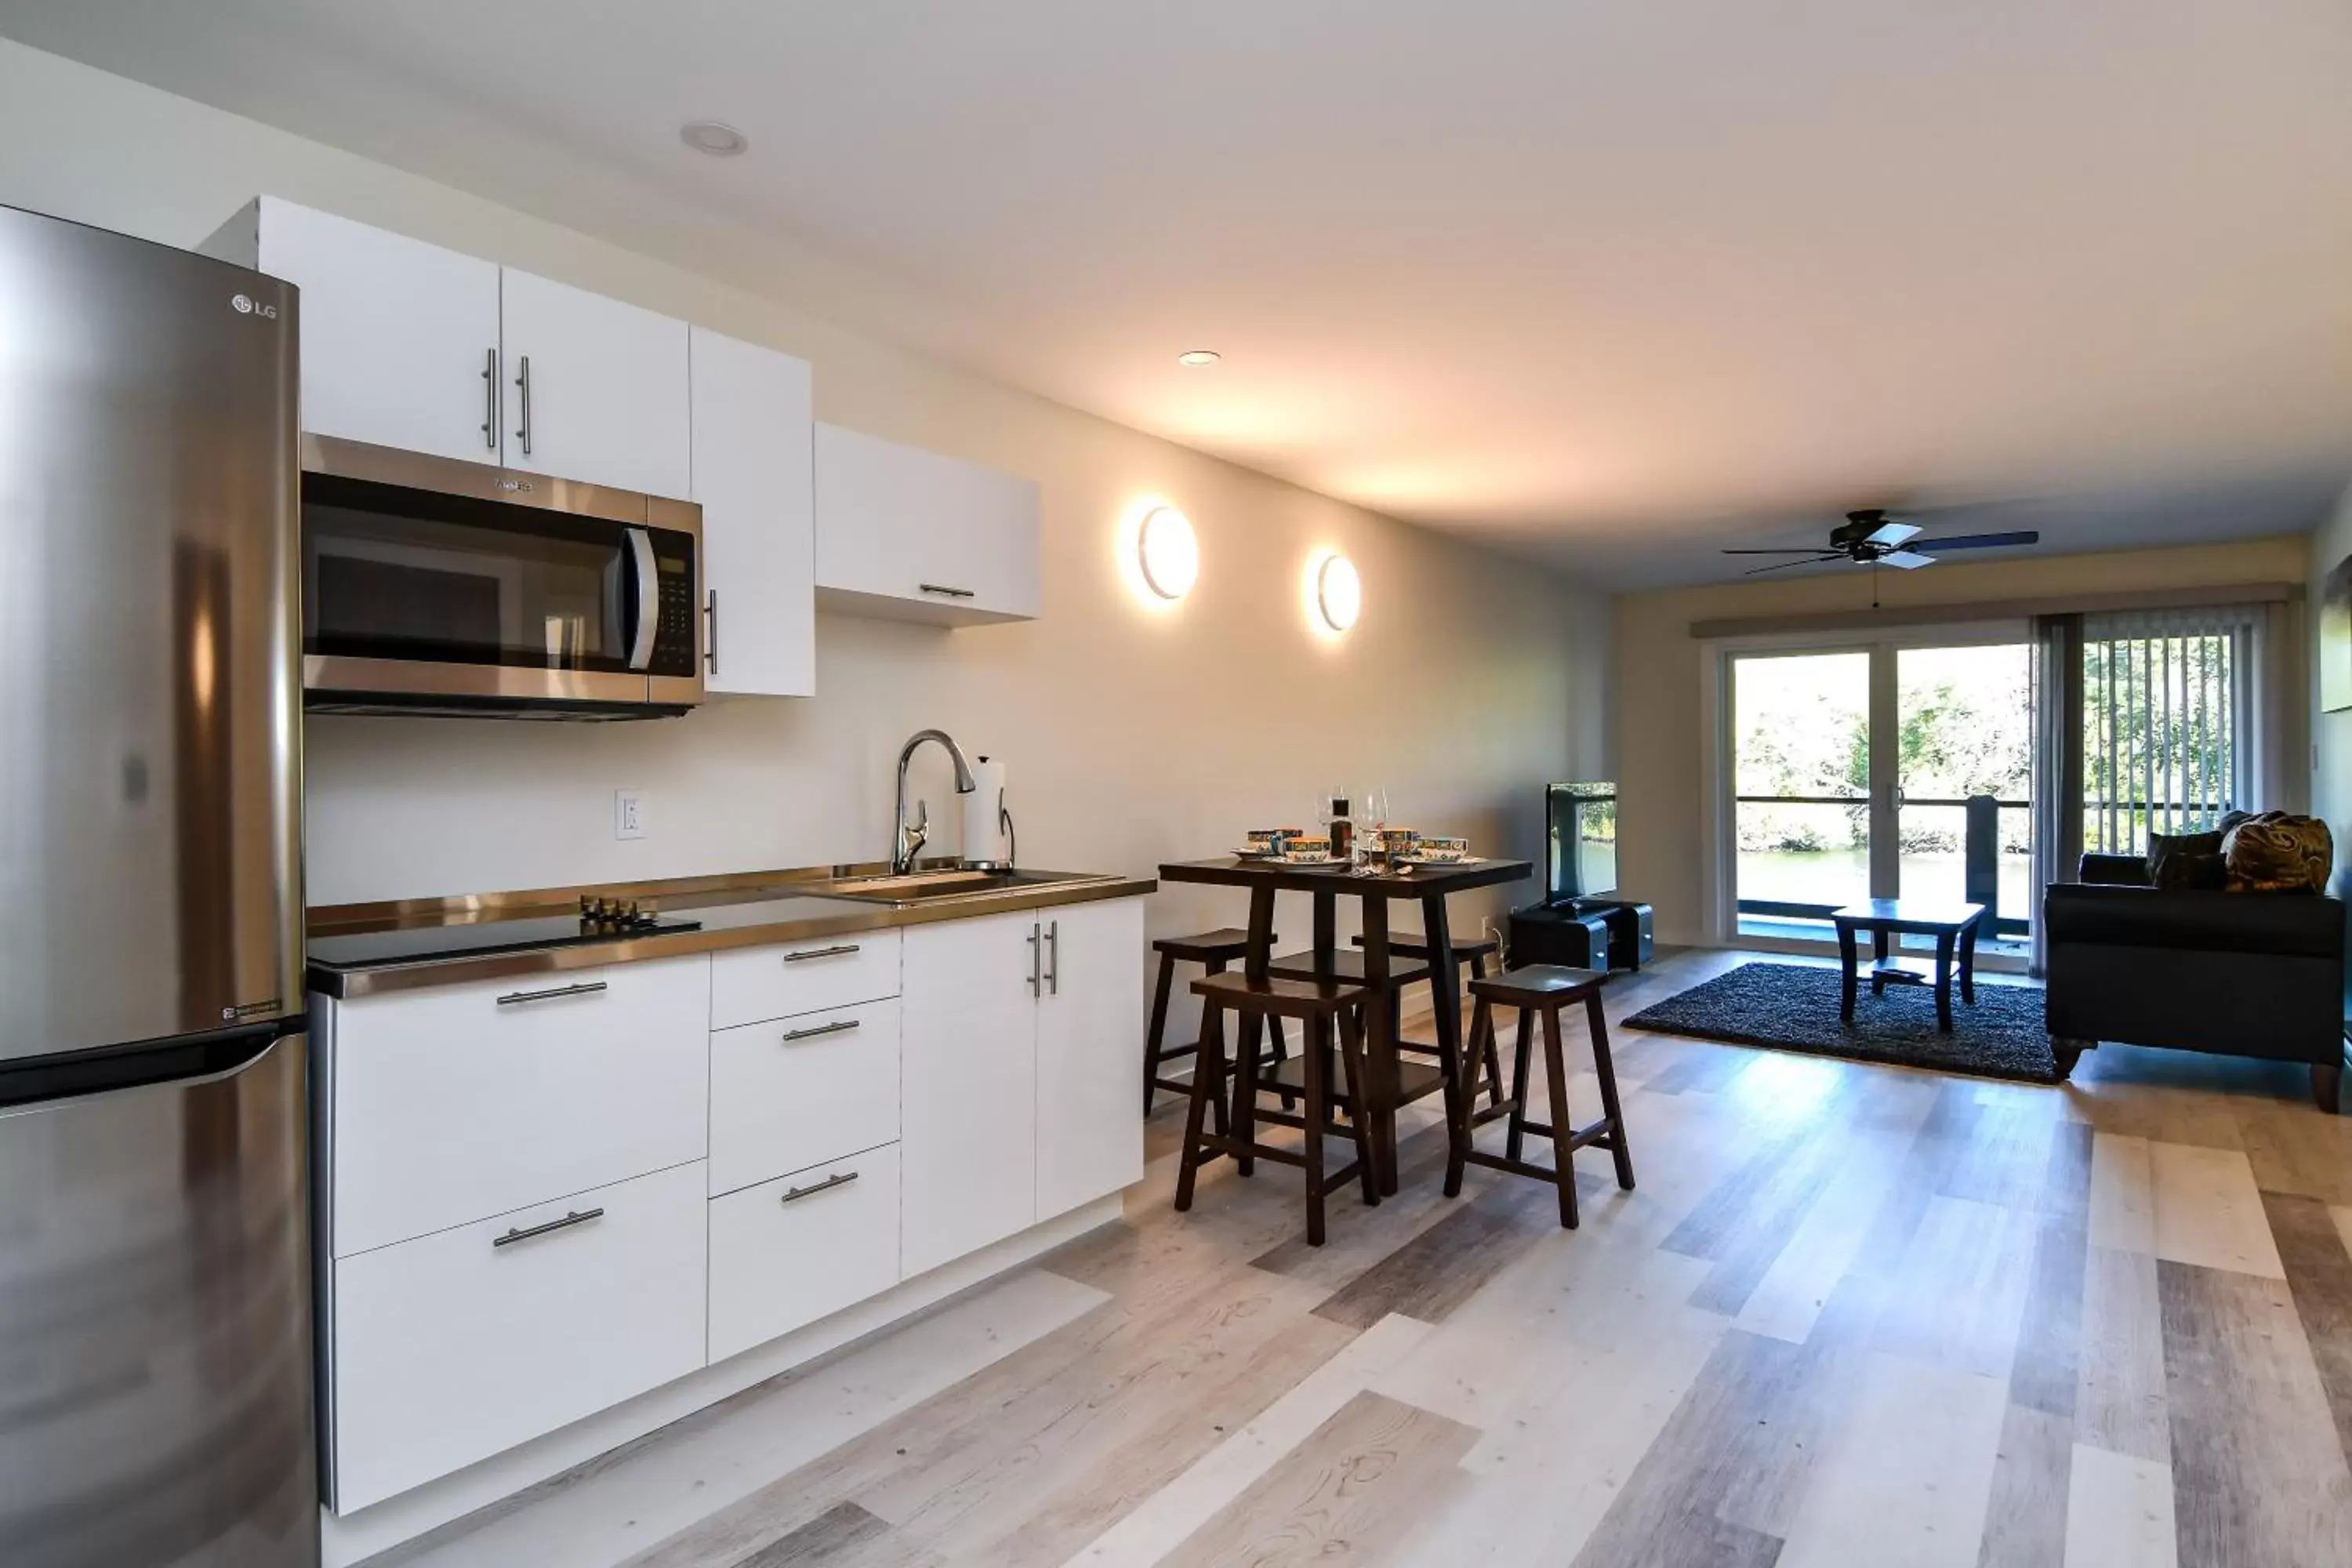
549	1195
788	1252
455	1345
1020	1038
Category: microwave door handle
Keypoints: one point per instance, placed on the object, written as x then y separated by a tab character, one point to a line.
649	621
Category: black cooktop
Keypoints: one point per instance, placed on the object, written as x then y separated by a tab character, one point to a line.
420	943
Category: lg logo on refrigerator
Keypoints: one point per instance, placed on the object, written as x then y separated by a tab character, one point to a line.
245	305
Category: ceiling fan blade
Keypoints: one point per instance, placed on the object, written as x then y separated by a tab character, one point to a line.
1784	566
1909	560
1980	540
1893	533
1811	549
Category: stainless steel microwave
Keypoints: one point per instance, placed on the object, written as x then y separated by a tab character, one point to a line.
436	586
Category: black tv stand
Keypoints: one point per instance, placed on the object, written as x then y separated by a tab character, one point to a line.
1583	933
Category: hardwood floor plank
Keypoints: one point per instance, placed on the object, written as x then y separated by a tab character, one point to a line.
1347	1494
2119	1511
2123	1195
2258	1475
1906	1479
1440	1268
1959	1299
843	1537
2293	1147
1212	1482
2025	1514
1788	1300
2209	1212
2319	1272
2120	1402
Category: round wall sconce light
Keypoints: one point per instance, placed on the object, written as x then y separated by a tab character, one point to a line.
1168	554
1338	593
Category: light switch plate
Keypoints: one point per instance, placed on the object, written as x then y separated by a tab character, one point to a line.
629	813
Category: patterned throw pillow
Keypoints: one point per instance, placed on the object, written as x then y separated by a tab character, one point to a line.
2178	860
2279	853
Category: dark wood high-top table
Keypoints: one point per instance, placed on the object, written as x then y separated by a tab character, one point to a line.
1326	886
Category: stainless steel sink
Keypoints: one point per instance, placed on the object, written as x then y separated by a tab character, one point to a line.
929	887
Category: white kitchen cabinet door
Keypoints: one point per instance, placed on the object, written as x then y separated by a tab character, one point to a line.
753	478
452	1347
912	535
398	336
1090	1053
968	1023
594	389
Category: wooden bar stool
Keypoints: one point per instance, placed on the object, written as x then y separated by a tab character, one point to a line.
1214	950
1541	990
1327	1008
1477	956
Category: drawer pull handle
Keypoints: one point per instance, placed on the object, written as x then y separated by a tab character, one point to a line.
834	952
577	1216
794	1195
942	588
586	988
838	1027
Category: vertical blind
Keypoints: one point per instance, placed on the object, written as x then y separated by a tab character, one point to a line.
2167	738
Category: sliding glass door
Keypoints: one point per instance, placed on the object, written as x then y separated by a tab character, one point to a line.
1853	771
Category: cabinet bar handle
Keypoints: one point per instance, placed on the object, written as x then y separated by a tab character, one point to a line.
941	588
1053	975
794	1195
711	648
522	426
490	399
1036	967
577	1216
834	952
587	988
838	1027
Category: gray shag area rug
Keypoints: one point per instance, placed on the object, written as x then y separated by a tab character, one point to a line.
1794	1007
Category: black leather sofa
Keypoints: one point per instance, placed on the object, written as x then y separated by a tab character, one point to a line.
2248	975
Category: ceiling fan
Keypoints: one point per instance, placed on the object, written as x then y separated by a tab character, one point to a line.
1867	538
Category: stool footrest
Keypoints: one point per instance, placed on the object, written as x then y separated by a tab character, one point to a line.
1595	1135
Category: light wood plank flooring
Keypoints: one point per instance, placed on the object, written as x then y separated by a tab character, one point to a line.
1853	1315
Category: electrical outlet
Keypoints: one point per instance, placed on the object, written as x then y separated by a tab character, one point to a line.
629	813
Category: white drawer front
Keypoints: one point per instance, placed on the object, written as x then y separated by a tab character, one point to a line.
778	1261
753	984
450	1348
787	1094
452	1104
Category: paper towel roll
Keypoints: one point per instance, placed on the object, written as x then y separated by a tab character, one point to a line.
984	837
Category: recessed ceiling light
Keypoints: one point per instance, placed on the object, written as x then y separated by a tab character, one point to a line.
1196	358
714	137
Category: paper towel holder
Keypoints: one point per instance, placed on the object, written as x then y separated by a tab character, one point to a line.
1012	840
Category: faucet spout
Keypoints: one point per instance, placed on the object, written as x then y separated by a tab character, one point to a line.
906	844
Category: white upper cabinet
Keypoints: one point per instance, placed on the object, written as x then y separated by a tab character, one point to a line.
1089	1063
912	535
752	463
400	338
594	389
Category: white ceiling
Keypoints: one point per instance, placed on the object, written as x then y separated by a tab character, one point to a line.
1620	280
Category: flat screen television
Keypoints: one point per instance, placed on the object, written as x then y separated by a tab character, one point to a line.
1581	822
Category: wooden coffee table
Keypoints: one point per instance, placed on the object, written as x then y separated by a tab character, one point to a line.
1954	926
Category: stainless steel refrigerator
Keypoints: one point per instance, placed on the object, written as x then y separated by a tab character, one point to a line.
155	1362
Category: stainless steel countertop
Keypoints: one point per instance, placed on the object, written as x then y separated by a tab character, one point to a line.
750	908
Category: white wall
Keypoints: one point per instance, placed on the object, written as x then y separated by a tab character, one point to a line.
2331	734
1131	735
